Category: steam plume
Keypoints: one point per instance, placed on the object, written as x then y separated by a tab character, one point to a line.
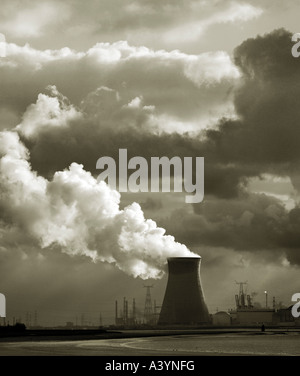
80	215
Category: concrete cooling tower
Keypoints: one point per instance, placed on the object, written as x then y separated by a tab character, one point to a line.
184	302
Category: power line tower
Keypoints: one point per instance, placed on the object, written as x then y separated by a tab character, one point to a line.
148	312
240	299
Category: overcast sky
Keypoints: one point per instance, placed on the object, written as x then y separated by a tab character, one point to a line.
80	80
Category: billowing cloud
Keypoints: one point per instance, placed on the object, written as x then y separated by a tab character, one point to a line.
251	143
200	83
54	111
80	215
211	68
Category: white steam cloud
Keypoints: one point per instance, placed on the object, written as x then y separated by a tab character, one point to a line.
80	215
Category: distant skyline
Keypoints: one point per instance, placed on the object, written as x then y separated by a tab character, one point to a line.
81	80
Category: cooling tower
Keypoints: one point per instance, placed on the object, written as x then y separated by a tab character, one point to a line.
184	300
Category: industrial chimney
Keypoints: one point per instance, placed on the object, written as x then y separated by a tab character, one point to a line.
184	302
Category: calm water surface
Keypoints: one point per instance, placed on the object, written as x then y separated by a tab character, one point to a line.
287	344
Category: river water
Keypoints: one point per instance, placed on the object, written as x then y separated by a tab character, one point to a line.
276	344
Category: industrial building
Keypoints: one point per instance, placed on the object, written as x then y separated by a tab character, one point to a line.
221	318
184	302
254	316
245	312
284	317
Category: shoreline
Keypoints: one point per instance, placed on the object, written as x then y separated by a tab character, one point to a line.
94	334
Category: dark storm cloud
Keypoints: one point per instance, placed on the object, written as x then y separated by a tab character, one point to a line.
266	136
290	239
118	101
151	204
263	139
250	222
169	81
256	223
266	101
107	118
55	149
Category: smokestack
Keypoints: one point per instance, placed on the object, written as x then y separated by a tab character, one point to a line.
184	300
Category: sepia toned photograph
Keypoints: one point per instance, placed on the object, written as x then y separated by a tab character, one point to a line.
149	180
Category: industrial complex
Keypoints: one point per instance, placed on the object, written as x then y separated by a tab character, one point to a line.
184	304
